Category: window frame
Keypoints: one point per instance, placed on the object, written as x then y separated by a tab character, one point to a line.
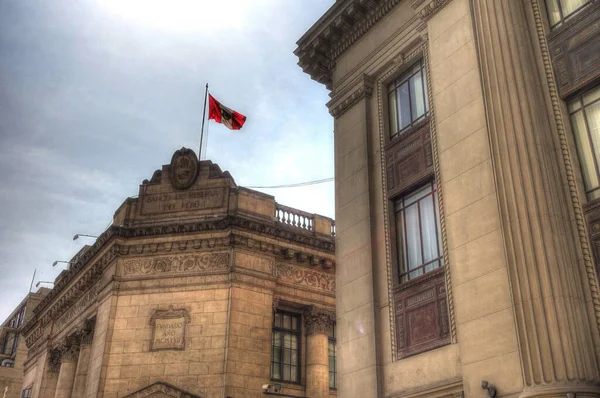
27	390
595	167
394	85
283	331
563	18
401	241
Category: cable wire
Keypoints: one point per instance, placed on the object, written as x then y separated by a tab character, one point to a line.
299	184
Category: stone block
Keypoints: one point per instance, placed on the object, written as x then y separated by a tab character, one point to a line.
479	297
355	294
352	266
198	368
176	369
507	377
473	222
453	12
478	257
469	187
152	370
361	383
461	124
357	354
465	155
455	37
129	371
457	95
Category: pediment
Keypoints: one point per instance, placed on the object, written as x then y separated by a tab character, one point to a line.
162	390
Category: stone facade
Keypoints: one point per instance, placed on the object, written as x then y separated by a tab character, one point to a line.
12	345
512	297
178	297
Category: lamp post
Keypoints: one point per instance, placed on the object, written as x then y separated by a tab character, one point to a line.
61	261
38	284
76	236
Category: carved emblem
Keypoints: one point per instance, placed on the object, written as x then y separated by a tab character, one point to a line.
184	168
168	329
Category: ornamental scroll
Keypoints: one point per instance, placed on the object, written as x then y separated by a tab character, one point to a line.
168	329
305	277
175	264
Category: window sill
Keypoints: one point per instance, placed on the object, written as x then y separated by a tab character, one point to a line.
418	280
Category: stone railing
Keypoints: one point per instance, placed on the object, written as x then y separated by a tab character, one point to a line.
305	221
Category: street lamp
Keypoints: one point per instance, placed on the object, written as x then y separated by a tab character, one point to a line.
76	236
38	284
61	261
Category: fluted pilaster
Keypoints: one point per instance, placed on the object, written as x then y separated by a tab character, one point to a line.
554	329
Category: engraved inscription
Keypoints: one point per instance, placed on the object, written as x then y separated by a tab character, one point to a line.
168	334
168	329
199	199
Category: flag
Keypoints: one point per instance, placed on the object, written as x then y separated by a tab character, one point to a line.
221	114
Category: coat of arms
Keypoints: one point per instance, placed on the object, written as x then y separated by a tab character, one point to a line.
184	168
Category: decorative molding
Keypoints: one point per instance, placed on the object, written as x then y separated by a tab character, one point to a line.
79	306
175	264
305	277
438	177
365	90
568	163
428	10
162	390
54	358
318	320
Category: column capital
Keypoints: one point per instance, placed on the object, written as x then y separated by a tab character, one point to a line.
318	320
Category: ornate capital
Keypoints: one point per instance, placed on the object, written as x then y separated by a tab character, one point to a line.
54	359
318	320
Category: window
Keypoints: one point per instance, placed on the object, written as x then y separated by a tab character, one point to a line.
17	320
10	343
408	99
285	363
418	232
584	111
26	393
561	10
332	356
8	363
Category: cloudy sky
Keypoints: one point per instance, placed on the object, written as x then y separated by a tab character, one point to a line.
97	94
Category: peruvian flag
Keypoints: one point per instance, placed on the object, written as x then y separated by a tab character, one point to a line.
222	114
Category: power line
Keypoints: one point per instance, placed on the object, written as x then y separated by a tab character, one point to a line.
299	184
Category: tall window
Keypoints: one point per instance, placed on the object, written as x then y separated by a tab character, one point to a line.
418	232
10	343
332	356
561	10
26	393
408	99
585	120
285	363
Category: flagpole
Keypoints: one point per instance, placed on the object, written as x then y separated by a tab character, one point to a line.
203	119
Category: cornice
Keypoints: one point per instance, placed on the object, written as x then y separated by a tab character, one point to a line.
87	271
343	25
350	97
428	8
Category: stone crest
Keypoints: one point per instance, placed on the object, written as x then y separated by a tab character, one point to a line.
168	329
184	168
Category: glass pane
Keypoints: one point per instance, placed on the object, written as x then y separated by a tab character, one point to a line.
553	11
287	322
439	234
331	363
428	230
286	373
393	109
331	380
294	342
277	321
586	158
276	339
403	105
294	373
413	237
287	360
425	93
275	371
417	195
287	340
400	241
277	355
591	96
294	357
416	96
569	6
592	115
294	323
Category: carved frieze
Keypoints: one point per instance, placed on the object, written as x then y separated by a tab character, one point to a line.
168	329
422	315
175	264
305	277
318	320
575	50
77	308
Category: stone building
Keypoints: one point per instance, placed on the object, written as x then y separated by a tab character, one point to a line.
12	346
200	288
467	194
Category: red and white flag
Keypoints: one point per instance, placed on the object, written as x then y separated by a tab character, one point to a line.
224	115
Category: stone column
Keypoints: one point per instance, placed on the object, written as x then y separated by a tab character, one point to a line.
553	325
82	364
317	321
66	374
